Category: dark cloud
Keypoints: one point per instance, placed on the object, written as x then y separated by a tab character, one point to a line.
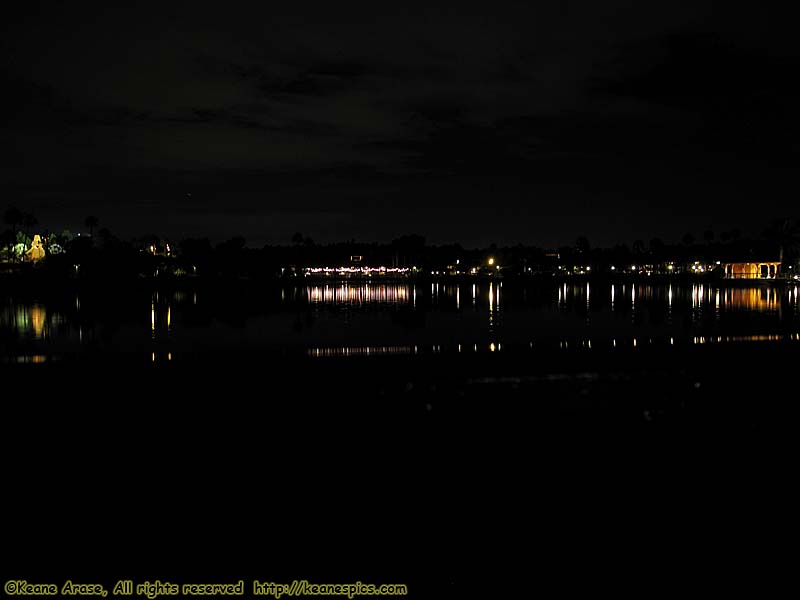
736	98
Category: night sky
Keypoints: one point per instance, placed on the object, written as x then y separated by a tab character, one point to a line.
465	123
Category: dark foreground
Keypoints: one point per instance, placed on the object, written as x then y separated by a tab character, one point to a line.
498	475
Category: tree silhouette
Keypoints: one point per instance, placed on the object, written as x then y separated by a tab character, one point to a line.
91	222
29	221
297	238
583	245
13	217
408	248
708	236
7	239
638	247
786	234
688	239
656	246
106	237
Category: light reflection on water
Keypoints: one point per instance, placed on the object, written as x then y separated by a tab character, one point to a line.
29	320
359	294
359	351
375	319
566	344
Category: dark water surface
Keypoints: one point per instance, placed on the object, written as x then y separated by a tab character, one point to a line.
374	319
488	439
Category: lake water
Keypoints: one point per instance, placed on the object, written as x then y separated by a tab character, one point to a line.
429	420
360	319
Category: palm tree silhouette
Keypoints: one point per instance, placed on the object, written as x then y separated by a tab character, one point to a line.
786	234
29	221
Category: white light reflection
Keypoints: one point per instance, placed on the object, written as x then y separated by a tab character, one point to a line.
491	307
360	351
359	294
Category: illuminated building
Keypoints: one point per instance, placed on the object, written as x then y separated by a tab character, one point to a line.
752	270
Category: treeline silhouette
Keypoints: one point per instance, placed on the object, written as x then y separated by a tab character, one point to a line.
104	255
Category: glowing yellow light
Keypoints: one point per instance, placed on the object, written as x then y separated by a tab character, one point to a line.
491	262
492	347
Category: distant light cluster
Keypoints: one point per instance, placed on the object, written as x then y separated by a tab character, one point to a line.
355	270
